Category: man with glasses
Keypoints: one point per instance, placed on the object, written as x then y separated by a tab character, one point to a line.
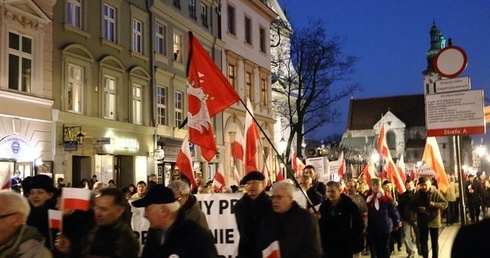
188	202
249	211
293	228
16	238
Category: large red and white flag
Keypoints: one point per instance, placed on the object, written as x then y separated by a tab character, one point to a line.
272	251
219	179
400	164
238	146
279	170
293	159
433	159
208	93
55	218
184	162
75	198
5	179
381	145
394	176
251	137
342	168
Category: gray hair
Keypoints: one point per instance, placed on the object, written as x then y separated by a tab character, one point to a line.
286	186
14	202
173	206
179	185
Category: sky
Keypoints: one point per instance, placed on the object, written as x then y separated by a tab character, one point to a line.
391	39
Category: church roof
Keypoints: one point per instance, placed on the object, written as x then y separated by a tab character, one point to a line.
365	113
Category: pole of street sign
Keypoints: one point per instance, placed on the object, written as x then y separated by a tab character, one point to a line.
460	173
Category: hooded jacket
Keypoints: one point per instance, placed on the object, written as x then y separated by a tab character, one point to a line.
26	243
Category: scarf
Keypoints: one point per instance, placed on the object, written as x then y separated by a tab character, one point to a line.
373	200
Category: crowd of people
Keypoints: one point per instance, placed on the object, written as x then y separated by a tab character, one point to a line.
342	219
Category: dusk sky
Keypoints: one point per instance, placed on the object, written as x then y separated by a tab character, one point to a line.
391	39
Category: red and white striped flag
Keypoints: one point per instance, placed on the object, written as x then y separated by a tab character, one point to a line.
184	161
75	198
238	146
55	218
272	251
342	168
381	145
219	179
279	176
400	164
369	171
5	179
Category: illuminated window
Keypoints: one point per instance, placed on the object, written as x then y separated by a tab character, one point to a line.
177	47
232	75
137	104
109	97
264	101
75	88
179	108
162	105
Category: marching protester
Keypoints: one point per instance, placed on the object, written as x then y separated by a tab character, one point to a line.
358	199
171	234
140	190
409	219
428	202
289	226
16	238
316	186
249	211
112	236
341	224
383	218
41	196
188	202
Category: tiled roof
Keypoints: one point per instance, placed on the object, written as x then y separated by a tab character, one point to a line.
365	113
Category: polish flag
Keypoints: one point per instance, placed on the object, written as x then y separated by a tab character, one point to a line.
5	179
251	137
184	162
342	169
369	171
294	162
208	93
394	176
219	179
55	217
400	164
381	145
75	198
238	146
272	251
279	176
433	159
236	176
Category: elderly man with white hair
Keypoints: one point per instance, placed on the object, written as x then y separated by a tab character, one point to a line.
188	202
16	238
171	234
293	228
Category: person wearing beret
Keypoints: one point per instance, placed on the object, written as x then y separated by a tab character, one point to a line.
41	196
171	234
249	211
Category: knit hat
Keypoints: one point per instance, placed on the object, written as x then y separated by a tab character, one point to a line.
42	182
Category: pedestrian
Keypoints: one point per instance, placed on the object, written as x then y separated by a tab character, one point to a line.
249	211
383	218
16	182
291	227
341	224
358	199
188	202
140	190
17	239
111	236
171	234
428	202
409	219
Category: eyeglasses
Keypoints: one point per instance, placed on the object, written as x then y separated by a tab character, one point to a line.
3	216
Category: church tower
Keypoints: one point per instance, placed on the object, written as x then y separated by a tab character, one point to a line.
437	42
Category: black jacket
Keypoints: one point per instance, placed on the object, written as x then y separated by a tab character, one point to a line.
405	208
341	227
248	215
296	230
185	238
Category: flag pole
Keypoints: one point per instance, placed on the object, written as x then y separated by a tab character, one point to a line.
289	170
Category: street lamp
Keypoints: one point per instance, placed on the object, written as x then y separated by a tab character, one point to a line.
72	137
283	144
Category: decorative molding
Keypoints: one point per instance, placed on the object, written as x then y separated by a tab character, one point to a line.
23	20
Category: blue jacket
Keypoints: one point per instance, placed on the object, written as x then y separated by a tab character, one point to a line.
380	222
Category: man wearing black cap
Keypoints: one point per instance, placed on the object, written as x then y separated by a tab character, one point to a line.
170	234
428	202
249	211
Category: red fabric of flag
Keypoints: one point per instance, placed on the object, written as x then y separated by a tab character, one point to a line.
433	159
5	177
208	93
54	217
251	137
381	145
184	162
75	198
237	147
219	179
342	168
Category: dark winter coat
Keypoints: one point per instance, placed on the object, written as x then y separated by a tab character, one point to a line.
405	208
193	212
185	239
248	215
341	227
381	221
296	230
431	217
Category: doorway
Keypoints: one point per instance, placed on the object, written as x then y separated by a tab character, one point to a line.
81	169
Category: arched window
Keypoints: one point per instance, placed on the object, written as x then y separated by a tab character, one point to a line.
391	140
